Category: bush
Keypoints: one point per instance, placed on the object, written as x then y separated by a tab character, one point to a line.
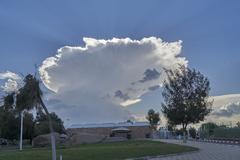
112	134
227	133
148	135
192	132
129	136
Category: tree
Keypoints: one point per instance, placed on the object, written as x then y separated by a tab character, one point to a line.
8	121
171	127
185	94
207	129
153	118
192	132
238	124
8	102
179	132
9	125
42	123
28	126
29	97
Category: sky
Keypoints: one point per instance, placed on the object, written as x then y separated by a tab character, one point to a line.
106	69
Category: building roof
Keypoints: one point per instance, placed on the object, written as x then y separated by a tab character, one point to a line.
106	125
120	129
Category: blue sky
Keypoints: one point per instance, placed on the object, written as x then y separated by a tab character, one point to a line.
31	31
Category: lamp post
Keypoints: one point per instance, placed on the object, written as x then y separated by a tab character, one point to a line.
21	132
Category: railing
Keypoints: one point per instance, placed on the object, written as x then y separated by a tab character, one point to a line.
233	141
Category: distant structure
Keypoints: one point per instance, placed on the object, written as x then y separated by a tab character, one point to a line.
129	130
164	133
97	133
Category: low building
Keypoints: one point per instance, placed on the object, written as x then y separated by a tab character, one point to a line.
133	130
45	140
164	133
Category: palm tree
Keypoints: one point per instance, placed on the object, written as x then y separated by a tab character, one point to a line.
29	97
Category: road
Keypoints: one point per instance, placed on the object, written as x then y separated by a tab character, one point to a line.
207	151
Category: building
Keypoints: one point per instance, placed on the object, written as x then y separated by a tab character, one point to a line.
164	133
133	130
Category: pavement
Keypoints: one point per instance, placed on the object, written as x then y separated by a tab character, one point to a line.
207	151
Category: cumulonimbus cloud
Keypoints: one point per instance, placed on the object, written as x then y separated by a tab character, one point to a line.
113	73
228	110
225	108
9	75
11	80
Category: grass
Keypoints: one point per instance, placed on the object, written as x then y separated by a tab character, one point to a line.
100	151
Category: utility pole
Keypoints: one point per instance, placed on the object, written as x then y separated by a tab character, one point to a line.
21	132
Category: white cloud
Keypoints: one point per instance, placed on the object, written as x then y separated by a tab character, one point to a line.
104	75
226	108
10	81
10	86
9	75
130	102
139	117
219	101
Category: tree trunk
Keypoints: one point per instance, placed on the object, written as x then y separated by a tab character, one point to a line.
184	133
54	154
184	137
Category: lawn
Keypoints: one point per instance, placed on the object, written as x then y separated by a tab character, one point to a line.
100	151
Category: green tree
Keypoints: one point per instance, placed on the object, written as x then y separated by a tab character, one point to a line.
8	102
171	127
153	118
28	126
42	123
192	132
179	131
185	94
8	121
207	129
238	124
29	97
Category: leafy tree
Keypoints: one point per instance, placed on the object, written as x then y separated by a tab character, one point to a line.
42	123
238	124
8	102
179	131
207	129
171	127
192	132
8	122
9	126
28	126
153	118
29	97
185	95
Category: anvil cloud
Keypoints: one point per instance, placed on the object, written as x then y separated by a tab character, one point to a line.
104	76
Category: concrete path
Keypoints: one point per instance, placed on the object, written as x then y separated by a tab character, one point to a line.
207	151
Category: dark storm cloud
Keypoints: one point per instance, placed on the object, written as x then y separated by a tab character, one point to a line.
153	88
150	74
121	95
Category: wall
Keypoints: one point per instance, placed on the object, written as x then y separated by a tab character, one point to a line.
136	131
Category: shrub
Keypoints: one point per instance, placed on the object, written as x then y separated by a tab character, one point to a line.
227	133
